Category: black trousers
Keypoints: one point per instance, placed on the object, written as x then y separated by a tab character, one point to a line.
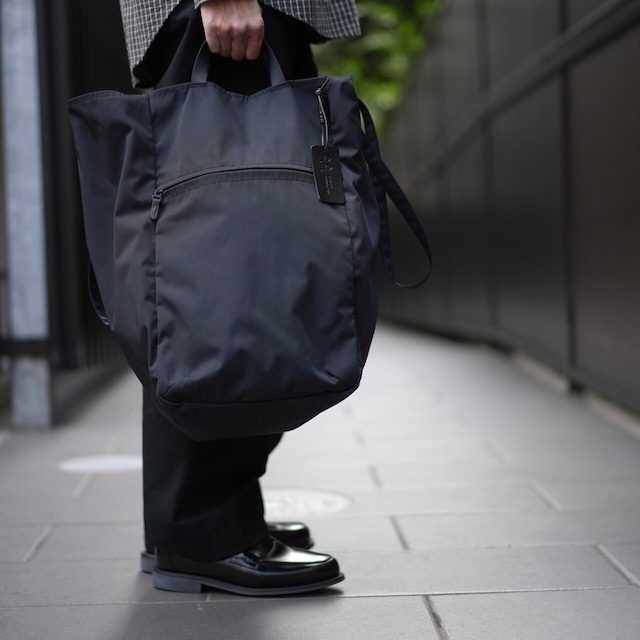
203	499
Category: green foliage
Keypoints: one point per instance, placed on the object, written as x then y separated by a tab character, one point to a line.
381	60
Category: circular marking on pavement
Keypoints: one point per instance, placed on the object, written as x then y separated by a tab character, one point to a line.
296	502
110	463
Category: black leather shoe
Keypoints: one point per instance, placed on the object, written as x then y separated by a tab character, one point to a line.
270	568
293	534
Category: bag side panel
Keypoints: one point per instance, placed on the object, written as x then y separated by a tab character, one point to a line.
362	206
116	161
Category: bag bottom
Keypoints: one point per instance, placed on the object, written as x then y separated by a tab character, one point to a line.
205	422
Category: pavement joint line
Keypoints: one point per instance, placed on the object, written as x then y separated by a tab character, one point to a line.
547	497
618	565
232	598
491	592
486	547
228	597
359	438
375	476
44	534
436	619
614	414
396	527
541	372
502	455
84	483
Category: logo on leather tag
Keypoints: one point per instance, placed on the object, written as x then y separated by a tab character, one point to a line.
328	174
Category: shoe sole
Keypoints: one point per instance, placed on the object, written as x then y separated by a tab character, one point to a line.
186	583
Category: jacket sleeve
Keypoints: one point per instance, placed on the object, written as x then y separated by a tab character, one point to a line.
141	20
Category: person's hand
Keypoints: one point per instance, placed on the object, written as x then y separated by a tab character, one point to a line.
233	28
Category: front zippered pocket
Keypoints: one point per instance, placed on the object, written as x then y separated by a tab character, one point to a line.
199	178
254	288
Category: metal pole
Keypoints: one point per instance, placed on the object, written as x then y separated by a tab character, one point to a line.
24	208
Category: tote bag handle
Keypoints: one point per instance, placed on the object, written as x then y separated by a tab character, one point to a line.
200	71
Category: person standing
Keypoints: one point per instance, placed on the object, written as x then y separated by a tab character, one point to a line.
203	508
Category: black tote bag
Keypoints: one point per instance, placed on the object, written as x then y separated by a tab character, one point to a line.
233	241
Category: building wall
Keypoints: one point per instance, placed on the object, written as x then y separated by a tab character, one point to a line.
518	145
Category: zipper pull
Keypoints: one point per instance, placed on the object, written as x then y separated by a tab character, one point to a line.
156	199
323	111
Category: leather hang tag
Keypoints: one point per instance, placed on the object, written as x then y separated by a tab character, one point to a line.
327	173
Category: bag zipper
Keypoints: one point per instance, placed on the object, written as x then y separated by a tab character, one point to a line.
158	194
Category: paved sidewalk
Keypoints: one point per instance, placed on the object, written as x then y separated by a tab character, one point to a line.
464	498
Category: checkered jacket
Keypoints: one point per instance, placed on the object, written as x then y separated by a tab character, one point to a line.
142	19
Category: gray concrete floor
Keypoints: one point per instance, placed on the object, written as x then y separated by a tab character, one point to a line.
465	497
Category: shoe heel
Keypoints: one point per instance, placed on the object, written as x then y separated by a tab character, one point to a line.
174	583
147	562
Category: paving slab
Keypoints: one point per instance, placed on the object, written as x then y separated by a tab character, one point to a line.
589	494
507	529
80	582
293	450
613	614
412	474
447	498
612	456
343	533
384	573
391	430
327	618
451	480
40	481
29	455
99	498
328	475
90	541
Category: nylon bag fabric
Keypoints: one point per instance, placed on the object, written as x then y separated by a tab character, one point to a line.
243	302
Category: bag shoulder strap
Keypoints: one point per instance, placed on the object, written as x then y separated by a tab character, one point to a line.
386	185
